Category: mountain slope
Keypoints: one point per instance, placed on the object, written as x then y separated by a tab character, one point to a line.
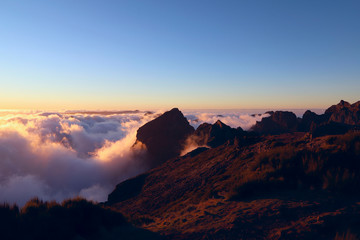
235	192
286	186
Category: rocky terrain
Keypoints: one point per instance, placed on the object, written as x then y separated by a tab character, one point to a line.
288	178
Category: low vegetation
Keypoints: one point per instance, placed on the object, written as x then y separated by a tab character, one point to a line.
333	166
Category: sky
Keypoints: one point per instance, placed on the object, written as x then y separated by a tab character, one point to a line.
117	55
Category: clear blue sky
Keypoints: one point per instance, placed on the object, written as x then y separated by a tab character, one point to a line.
81	54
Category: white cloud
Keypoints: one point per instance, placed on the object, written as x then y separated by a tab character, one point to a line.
56	156
232	119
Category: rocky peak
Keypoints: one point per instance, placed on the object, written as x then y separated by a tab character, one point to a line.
278	122
344	113
338	107
216	134
220	124
344	103
310	119
165	136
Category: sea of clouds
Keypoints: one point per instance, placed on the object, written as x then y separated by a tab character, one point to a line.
59	155
233	119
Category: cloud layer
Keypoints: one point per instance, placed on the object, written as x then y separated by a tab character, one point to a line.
56	156
232	119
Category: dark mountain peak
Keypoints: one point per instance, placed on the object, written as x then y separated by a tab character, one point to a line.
278	122
283	115
173	114
220	124
269	112
164	136
336	108
345	113
311	119
344	103
309	113
214	135
337	119
174	111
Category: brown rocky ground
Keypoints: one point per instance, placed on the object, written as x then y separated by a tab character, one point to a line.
286	186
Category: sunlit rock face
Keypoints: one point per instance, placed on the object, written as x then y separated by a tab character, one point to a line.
164	136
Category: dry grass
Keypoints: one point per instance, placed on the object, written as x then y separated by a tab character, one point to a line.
334	166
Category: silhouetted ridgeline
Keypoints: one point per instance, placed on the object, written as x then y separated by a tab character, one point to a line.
164	136
216	134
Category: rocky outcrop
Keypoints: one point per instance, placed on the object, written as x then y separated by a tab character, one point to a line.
338	107
164	136
345	113
214	135
310	119
278	122
337	119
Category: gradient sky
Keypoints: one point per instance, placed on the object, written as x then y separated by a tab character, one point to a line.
81	54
